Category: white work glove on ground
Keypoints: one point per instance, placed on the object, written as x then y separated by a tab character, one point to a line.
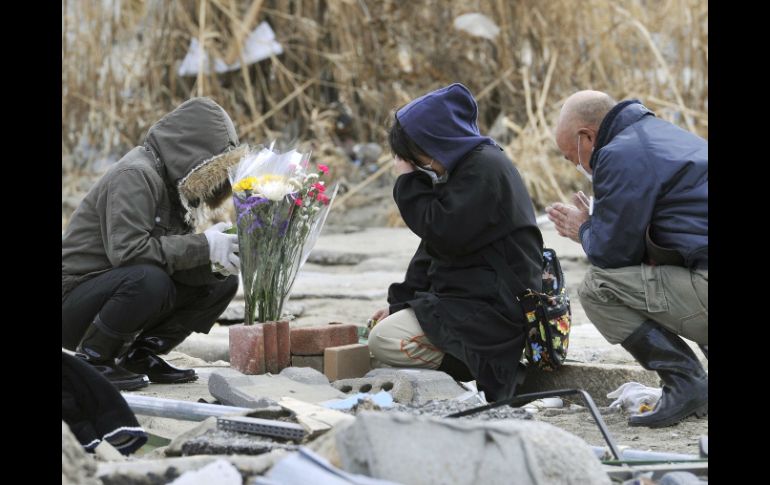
223	248
635	398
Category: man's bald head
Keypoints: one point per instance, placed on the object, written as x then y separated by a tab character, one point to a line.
583	111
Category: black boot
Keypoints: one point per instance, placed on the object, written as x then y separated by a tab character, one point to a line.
143	356
456	368
685	383
100	347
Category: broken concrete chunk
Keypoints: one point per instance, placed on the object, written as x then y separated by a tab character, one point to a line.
414	449
175	447
104	451
77	467
221	472
153	472
235	389
313	361
305	375
408	386
222	442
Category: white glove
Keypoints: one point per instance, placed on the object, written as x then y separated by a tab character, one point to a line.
635	398
223	248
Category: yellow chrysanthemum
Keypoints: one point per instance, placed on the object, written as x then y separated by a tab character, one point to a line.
245	184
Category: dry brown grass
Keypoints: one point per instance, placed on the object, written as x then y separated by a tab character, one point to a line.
120	64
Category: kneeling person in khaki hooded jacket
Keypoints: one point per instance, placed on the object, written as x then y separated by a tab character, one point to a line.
136	279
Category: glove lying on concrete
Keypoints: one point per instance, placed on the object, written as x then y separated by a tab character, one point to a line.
223	248
635	398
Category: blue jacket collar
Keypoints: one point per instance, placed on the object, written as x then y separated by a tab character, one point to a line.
620	117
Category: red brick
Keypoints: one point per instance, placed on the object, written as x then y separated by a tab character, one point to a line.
284	345
346	361
271	347
313	340
314	361
247	350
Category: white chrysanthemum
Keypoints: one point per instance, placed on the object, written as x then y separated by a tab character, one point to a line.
275	187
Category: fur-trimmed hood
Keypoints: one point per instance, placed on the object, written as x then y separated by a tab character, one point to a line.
195	144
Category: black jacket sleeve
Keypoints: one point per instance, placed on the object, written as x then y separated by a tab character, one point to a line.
459	218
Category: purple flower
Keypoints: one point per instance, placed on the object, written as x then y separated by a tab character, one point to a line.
254	225
243	207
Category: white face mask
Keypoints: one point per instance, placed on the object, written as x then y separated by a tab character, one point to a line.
579	166
433	175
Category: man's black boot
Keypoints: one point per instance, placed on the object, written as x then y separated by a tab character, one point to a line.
685	382
100	347
143	356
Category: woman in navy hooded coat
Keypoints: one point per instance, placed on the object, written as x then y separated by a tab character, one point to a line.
460	193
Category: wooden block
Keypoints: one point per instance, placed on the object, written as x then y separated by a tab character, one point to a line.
346	361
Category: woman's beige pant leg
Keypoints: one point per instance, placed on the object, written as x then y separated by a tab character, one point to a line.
399	341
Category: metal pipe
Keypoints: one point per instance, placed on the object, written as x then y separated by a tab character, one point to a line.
184	410
640	455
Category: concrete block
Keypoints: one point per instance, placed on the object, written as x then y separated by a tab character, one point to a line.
305	375
313	340
596	379
427	384
346	361
313	361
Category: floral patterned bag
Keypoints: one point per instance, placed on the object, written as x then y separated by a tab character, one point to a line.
549	317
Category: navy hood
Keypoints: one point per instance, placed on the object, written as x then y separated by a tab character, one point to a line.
443	124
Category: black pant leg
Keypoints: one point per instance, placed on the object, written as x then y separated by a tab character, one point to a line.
196	309
125	299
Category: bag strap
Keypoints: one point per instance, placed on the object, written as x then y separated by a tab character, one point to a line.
555	264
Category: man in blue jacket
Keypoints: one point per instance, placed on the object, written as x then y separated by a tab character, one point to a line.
646	237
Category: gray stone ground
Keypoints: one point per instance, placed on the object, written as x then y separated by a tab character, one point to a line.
327	291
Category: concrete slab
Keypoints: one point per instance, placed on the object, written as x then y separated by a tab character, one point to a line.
596	379
235	389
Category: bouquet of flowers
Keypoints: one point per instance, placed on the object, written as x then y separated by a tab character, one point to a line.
280	206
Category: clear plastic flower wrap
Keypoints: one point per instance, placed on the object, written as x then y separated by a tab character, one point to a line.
281	203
